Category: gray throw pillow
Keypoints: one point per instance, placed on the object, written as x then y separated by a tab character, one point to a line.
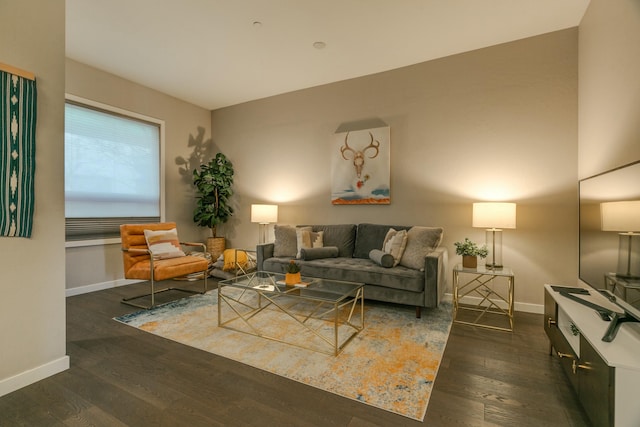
286	242
381	258
318	253
421	241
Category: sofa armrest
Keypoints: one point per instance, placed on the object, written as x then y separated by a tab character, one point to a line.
435	281
263	251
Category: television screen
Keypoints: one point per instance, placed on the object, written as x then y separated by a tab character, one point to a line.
610	255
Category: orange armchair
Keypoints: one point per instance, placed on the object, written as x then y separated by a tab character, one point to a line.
140	262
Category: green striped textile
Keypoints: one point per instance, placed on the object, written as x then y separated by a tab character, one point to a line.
17	154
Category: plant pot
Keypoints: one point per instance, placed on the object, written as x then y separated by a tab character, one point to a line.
292	278
215	246
469	261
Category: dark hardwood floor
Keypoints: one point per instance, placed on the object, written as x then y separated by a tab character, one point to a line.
120	376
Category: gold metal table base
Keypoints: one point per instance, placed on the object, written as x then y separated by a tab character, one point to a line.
480	285
330	324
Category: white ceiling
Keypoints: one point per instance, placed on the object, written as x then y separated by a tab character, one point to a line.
210	52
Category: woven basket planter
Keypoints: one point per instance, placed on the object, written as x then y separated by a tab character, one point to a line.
216	246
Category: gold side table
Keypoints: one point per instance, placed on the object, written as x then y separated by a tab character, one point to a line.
480	285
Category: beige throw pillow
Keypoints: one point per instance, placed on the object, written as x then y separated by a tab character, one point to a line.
394	243
163	244
306	239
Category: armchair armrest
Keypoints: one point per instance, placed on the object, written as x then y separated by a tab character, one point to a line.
137	251
202	245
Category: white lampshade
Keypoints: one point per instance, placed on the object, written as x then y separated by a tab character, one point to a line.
620	216
494	215
264	214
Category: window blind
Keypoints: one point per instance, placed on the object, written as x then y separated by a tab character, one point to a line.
112	172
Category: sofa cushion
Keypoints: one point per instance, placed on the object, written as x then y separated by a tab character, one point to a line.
371	236
307	238
394	243
286	242
342	236
319	253
381	258
421	241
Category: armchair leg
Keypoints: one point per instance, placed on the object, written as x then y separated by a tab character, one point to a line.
153	293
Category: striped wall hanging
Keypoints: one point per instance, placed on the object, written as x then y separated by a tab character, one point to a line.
17	154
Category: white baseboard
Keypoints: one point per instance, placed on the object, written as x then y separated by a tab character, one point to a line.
518	306
99	286
23	379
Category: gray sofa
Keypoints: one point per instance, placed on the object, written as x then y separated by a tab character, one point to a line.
421	284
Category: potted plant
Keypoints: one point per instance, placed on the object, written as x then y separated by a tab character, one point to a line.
213	183
293	274
470	252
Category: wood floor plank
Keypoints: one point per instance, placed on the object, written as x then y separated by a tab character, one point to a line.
120	376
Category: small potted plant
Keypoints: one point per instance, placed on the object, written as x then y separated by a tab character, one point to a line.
470	252
293	274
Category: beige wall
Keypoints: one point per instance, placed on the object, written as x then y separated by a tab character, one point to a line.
609	66
183	123
32	305
494	124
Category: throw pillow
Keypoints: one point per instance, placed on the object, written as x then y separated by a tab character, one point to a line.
308	254
163	244
233	257
285	244
381	258
422	241
394	244
306	238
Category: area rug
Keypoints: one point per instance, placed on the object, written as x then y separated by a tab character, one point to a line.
392	364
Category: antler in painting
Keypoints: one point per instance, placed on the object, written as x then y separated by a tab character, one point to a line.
349	153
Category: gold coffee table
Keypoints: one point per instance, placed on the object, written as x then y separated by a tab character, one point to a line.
324	316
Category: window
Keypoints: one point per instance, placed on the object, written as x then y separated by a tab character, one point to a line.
113	172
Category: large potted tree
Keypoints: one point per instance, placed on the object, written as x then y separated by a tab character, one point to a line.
213	183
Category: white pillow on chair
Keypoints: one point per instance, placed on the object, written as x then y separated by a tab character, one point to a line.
163	244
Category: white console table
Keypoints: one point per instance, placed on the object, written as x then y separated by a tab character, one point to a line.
605	375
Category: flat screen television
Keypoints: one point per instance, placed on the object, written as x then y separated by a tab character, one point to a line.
600	249
601	265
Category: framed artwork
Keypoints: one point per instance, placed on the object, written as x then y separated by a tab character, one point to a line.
360	167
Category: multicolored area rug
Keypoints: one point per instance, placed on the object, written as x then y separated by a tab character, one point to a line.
391	364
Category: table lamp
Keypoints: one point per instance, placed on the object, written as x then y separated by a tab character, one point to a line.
494	216
264	215
624	217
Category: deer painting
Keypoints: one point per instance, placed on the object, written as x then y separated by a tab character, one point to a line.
361	167
358	156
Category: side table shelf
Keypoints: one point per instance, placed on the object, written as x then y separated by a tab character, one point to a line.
492	300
